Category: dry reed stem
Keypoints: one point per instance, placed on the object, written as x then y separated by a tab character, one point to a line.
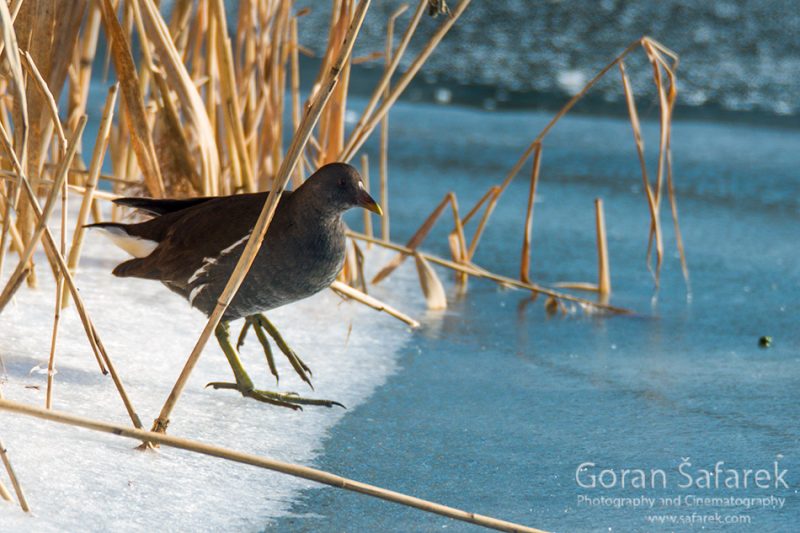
474	270
372	302
231	106
384	135
654	51
297	177
667	101
45	93
13	476
100	146
172	145
432	288
456	238
4	494
651	195
50	243
265	218
182	84
367	215
383	83
476	237
17	81
405	79
135	117
16	238
603	268
577	286
414	241
525	263
103	360
86	55
51	362
304	472
22	267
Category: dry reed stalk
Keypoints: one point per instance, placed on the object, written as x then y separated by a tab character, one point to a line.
650	193
25	118
17	81
140	136
664	130
402	83
4	494
422	232
50	243
103	360
603	268
16	239
86	55
474	270
297	177
47	96
386	77
52	108
265	218
667	101
23	503
653	50
367	215
384	134
304	472
100	146
415	240
372	302
21	271
525	263
184	87
172	147
432	288
51	362
487	212
230	98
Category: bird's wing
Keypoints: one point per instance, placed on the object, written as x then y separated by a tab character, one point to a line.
161	206
192	238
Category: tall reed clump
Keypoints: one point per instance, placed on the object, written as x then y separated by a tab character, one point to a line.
202	108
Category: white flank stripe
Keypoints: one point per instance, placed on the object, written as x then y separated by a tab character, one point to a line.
195	292
230	248
207	262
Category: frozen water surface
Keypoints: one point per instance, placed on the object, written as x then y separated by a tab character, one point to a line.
490	406
495	406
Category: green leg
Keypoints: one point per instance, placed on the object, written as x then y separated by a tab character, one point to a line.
262	338
261	324
299	366
245	385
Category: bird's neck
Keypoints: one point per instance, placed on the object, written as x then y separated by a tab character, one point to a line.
311	209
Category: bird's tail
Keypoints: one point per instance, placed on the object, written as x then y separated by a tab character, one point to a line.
119	235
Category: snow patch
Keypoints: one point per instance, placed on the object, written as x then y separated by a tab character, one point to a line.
80	480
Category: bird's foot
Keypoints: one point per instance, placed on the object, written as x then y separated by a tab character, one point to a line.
288	399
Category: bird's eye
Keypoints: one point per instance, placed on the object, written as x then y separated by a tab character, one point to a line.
342	183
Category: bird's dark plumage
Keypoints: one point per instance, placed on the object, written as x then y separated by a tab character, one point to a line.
193	245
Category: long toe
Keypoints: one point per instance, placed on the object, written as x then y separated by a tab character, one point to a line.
261	396
292	397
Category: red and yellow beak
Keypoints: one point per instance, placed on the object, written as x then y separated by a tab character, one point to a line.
367	202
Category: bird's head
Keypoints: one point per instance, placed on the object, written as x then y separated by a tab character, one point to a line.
338	187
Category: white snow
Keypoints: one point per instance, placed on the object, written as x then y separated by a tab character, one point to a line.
77	480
